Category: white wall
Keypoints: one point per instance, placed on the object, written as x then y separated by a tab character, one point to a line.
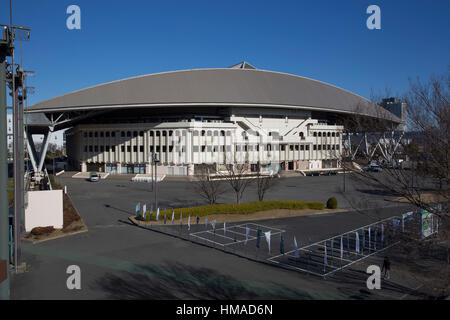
45	208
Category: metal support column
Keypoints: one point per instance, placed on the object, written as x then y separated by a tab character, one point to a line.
4	207
18	174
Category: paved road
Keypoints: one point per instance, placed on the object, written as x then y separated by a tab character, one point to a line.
120	261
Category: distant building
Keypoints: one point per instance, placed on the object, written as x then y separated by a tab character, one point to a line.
398	108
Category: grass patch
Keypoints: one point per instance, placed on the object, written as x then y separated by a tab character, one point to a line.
242	208
55	186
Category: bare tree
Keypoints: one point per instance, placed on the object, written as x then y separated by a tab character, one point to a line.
422	178
236	174
207	187
426	150
264	182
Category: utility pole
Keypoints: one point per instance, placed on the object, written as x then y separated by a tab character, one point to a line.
155	161
18	165
6	49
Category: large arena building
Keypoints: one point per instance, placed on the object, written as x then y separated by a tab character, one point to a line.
189	118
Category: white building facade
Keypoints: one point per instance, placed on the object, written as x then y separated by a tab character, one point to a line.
264	140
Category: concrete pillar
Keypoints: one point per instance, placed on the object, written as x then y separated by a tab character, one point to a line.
83	166
119	168
190	169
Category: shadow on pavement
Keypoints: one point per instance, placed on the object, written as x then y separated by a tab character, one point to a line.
180	281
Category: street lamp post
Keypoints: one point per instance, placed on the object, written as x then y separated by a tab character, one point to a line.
6	49
155	161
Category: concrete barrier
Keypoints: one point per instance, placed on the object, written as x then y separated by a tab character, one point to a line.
45	208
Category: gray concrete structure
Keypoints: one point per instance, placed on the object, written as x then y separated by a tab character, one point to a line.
190	118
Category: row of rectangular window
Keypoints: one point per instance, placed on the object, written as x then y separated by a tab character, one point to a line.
326	134
102	134
212	148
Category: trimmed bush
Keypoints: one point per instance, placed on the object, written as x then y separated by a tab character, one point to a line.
332	203
242	208
38	231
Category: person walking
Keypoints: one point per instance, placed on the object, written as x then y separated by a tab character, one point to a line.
386	268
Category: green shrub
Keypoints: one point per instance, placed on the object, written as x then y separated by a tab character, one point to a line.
242	208
332	203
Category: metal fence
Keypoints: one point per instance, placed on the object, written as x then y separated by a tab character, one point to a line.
322	258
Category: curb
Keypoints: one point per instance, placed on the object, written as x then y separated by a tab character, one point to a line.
144	223
57	237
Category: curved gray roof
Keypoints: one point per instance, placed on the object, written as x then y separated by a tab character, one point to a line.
226	86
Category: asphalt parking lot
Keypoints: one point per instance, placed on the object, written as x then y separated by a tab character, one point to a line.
122	261
115	198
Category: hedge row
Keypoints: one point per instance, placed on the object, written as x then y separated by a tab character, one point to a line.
242	208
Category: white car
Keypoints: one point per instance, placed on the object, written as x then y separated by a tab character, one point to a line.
94	177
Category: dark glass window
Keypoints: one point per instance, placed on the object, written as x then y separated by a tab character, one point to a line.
122	133
102	148
96	148
90	149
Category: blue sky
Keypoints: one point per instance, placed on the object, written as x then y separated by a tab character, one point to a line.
323	40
